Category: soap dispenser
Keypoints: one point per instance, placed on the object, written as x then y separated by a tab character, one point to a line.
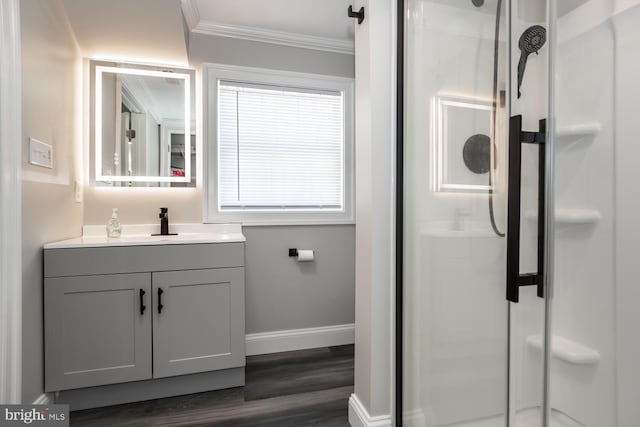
114	229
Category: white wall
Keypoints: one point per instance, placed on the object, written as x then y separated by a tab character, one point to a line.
375	160
50	71
140	31
10	214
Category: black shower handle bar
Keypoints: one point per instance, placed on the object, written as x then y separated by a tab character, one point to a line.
516	138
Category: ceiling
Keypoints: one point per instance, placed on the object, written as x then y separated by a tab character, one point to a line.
528	10
163	97
123	28
139	31
312	24
153	31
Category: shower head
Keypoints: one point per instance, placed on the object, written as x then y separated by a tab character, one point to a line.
477	3
532	39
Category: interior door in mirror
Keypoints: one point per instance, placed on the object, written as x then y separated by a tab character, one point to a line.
137	110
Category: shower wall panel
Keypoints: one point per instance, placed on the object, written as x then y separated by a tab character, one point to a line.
584	282
627	208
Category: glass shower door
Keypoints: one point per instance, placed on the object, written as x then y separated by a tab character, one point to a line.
469	357
455	313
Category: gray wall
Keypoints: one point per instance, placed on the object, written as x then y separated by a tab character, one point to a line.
225	50
185	205
49	212
284	294
281	294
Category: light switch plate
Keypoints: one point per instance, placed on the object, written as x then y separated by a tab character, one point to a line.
77	190
40	153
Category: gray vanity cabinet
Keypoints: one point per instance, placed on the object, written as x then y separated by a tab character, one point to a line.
116	315
94	331
199	325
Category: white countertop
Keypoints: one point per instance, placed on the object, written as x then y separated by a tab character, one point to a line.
140	235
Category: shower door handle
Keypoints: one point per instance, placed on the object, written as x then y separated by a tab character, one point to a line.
516	138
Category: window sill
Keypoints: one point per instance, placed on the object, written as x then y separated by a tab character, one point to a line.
282	222
279	218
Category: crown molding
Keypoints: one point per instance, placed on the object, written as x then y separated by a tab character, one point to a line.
191	13
282	38
197	25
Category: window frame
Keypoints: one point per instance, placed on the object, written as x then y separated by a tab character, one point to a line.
213	73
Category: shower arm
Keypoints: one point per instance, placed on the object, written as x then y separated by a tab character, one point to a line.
516	138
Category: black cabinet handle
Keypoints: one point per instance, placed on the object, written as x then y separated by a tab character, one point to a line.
516	138
160	306
142	306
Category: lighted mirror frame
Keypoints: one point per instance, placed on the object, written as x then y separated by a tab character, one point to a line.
441	116
100	69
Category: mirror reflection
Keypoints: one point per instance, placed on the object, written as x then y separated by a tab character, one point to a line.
141	119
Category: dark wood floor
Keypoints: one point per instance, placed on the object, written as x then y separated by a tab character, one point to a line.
293	389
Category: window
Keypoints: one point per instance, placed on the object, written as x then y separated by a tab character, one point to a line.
279	147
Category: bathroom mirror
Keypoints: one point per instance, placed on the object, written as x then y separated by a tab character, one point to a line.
461	145
141	118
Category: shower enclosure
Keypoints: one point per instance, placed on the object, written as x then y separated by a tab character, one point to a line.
518	193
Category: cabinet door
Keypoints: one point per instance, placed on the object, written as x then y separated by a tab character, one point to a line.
95	333
198	321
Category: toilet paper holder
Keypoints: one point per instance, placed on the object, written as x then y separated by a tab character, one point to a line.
302	255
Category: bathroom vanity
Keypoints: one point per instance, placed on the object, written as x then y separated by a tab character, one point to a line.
141	316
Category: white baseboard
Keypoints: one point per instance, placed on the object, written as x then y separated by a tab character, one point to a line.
299	339
359	417
43	399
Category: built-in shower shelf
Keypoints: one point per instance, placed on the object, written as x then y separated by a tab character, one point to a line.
571	216
567	133
567	350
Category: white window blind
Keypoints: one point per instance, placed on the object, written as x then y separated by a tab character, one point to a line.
280	148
